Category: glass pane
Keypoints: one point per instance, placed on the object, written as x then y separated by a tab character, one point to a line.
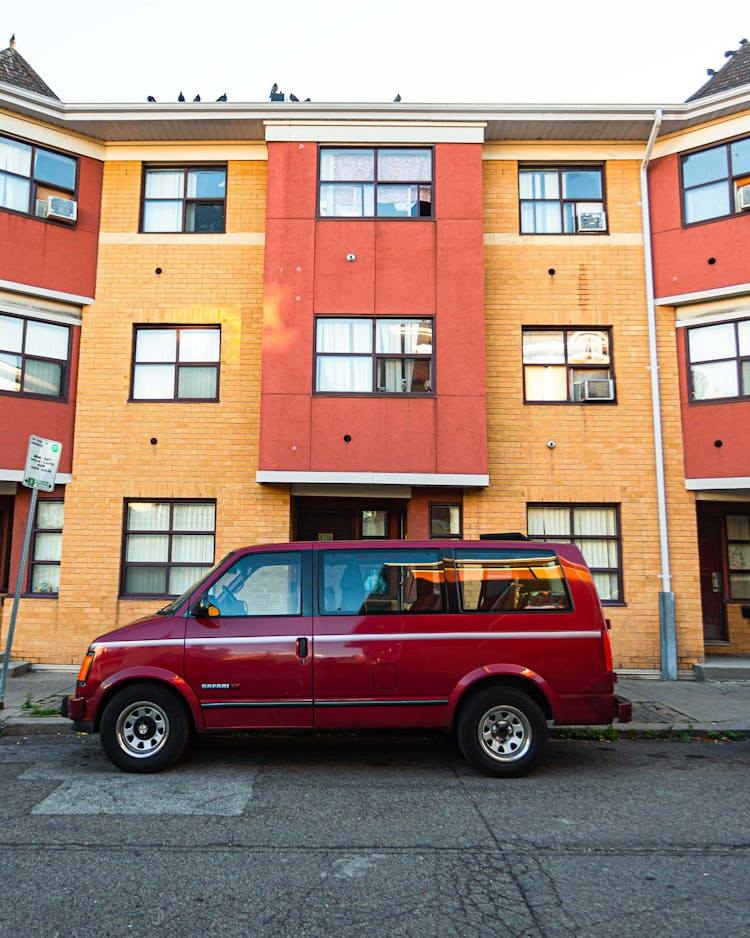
538	184
745	368
194	516
373	581
47	339
582	184
599	521
588	348
14	193
598	553
710	201
55	169
199	345
543	348
548	522
395	201
45	578
711	342
350	165
507	580
148	516
162	216
738	527
739	556
445	520
705	166
740	156
406	165
413	337
194	548
374	523
146	580
49	514
165	184
715	380
739	585
156	345
11	334
15	157
607	586
10	372
540	218
204	216
343	373
206	183
146	547
195	382
43	377
743	329
347	200
182	578
153	382
545	383
344	335
404	375
47	546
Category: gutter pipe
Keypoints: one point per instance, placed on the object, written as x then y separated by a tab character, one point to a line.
667	629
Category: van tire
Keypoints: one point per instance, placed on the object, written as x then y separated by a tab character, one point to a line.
502	731
144	728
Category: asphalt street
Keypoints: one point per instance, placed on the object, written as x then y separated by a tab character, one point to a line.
377	835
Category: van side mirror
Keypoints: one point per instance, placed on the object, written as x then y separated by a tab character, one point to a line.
204	608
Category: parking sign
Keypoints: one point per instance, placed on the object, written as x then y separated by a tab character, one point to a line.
42	460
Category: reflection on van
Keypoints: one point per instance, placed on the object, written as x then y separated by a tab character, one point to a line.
492	643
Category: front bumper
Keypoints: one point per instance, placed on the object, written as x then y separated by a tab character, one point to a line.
74	708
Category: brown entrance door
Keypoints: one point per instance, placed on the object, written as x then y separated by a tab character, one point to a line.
337	525
712	578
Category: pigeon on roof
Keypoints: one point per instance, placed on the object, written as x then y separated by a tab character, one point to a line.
222	97
293	97
397	99
734	73
15	70
197	98
180	97
151	99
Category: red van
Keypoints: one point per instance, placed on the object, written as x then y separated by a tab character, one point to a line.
490	640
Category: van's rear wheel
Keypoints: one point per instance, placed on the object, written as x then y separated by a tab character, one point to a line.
502	731
144	728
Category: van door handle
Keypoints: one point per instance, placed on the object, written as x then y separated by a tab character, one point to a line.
302	648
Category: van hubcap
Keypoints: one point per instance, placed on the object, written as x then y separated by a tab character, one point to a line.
142	729
504	733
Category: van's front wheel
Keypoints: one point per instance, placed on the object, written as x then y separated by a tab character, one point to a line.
502	732
143	728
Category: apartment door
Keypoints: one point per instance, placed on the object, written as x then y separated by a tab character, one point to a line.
712	577
6	527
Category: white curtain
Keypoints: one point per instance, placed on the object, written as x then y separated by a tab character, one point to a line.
165	184
14	193
148	516
11	334
196	382
549	522
398	375
147	548
15	157
153	382
47	339
42	377
194	516
193	548
199	345
156	345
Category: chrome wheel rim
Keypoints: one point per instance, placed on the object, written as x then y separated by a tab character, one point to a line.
504	733
142	729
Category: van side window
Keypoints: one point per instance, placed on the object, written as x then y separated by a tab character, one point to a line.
510	581
361	582
259	585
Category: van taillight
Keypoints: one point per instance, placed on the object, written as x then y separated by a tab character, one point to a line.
607	650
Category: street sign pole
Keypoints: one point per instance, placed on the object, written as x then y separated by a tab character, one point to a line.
42	460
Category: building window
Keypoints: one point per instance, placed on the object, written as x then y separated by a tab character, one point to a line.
719	358
712	178
445	521
738	552
46	547
556	200
374	522
573	365
176	363
367	182
29	175
366	356
184	199
595	530
168	546
33	356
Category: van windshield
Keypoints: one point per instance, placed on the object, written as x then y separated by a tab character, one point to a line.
171	608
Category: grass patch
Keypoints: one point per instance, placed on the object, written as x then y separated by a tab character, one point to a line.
34	710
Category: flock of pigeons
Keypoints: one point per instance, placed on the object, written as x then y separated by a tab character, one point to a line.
275	95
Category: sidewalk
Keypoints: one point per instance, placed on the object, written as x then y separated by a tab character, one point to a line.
659	706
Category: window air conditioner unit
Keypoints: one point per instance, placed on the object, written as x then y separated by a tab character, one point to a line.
591	221
62	209
594	389
40	208
743	198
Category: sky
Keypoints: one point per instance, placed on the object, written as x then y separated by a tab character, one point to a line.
431	51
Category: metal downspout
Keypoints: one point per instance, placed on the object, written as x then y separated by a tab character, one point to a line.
667	630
